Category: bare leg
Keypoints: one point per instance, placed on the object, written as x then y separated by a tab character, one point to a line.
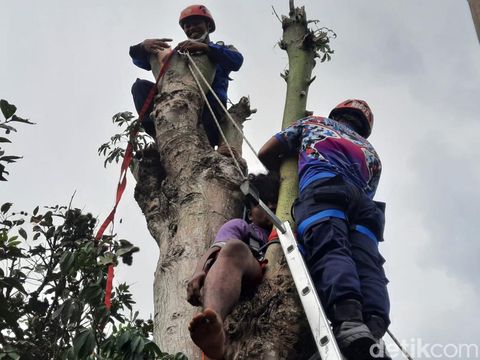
222	289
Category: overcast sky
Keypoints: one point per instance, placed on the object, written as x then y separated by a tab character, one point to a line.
66	66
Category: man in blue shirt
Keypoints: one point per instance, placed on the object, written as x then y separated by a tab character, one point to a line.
338	223
197	23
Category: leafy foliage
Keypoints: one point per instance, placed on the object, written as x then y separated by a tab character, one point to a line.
52	282
113	150
321	38
8	111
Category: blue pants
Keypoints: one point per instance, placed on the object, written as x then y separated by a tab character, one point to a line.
340	241
141	89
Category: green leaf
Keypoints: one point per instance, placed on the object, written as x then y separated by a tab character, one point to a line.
92	292
4	140
151	347
108	258
5	207
19	119
7	128
137	345
123	251
67	311
7	109
35	211
66	261
3	236
50	231
19	222
10	158
84	343
13	242
64	311
22	233
2	171
59	310
122	340
180	356
13	355
14	283
69	354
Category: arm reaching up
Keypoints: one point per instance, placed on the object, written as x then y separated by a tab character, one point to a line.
271	154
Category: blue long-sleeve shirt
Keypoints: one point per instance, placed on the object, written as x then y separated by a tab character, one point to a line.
226	58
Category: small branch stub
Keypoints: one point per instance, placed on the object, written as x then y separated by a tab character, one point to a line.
311	80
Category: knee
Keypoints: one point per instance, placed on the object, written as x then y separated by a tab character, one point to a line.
235	249
136	87
141	86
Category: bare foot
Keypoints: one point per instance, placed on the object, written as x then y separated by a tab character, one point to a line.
206	331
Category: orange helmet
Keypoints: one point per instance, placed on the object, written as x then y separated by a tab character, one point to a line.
358	107
197	10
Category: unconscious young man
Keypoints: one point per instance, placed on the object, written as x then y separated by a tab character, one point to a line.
231	266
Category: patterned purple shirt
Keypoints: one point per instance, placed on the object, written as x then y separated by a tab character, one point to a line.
327	148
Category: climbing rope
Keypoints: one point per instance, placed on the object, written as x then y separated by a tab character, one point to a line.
404	351
222	134
207	84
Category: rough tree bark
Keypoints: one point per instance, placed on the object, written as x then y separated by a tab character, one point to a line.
187	191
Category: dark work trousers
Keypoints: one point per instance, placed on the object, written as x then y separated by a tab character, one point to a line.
140	90
339	229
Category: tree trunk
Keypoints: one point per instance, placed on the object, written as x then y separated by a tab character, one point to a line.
475	9
186	192
272	325
189	191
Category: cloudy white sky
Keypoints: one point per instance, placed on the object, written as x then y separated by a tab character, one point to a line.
66	67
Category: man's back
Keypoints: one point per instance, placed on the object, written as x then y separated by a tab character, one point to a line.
326	146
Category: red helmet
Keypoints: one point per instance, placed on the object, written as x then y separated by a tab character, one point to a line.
358	107
197	10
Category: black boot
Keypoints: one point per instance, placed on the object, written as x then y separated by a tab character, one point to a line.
353	337
378	327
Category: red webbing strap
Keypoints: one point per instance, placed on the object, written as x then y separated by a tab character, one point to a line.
122	182
108	288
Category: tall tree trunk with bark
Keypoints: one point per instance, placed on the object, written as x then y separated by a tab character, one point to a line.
187	191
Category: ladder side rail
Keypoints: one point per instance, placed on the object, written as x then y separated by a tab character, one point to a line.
317	319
